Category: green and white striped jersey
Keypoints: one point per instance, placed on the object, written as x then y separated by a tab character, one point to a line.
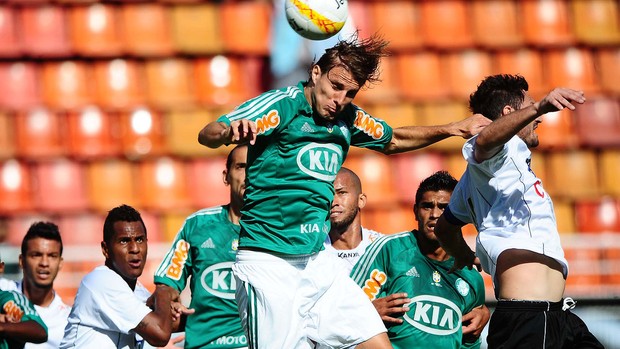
20	309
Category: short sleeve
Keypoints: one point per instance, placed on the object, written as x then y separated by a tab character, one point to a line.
176	267
491	165
457	212
368	131
370	272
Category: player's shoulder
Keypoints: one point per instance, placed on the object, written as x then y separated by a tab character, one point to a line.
9	285
100	278
370	235
389	242
208	215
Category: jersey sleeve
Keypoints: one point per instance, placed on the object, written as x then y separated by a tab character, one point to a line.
368	131
176	267
491	165
457	212
370	272
20	308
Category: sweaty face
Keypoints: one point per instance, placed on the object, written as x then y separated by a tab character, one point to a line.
41	262
126	251
428	210
528	133
333	91
235	177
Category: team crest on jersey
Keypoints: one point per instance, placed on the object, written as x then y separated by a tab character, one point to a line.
320	161
436	278
434	315
235	244
462	287
13	311
267	122
177	262
368	125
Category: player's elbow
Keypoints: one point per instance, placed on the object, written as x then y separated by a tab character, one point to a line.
159	338
38	334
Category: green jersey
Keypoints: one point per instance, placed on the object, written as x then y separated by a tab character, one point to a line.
205	249
394	264
291	168
20	309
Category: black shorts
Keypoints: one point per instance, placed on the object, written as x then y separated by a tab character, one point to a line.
536	324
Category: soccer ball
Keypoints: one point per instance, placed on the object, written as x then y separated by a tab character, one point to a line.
316	19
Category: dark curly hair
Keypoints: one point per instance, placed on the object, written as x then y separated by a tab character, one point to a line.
497	91
440	180
122	213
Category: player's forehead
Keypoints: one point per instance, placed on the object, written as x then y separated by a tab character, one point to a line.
41	244
341	75
124	229
432	197
240	155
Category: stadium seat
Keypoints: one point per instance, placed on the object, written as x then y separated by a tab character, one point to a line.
396	115
18	225
360	14
205	179
15	187
609	168
557	130
60	187
596	22
546	23
572	175
611	277
377	173
527	63
608	61
91	134
411	169
441	113
225	81
465	70
598	122
395	18
111	183
66	85
119	83
9	41
39	134
598	216
142	133
455	164
496	23
44	31
81	230
446	24
565	216
163	185
20	87
585	268
572	67
385	91
170	84
420	76
389	219
7	136
146	29
95	30
538	166
172	223
252	38
196	28
182	129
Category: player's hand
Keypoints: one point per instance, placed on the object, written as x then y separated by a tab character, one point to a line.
392	307
466	258
240	132
173	341
471	126
559	99
177	309
474	322
6	318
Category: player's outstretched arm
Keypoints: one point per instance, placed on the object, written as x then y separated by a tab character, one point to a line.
216	134
156	327
25	331
415	137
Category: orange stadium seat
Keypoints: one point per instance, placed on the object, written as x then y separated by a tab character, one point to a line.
396	115
496	23
163	185
609	168
95	30
572	174
538	166
411	169
91	134
440	113
608	61
196	28
376	172
399	22
9	41
60	186
171	224
572	67
220	81
111	183
15	187
81	229
598	216
420	76
611	255
596	22
18	225
66	84
546	22
206	181
154	234
565	216
20	87
146	29
251	38
389	219
44	31
446	24
465	71
39	134
7	136
119	83
455	164
598	122
169	83
182	129
385	91
557	130
527	63
585	268
142	133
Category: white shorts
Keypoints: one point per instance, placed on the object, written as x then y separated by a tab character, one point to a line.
297	302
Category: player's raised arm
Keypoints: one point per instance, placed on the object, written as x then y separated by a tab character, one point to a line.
218	133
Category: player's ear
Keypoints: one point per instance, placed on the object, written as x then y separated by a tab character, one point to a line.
507	110
20	259
415	212
104	249
361	200
225	177
315	73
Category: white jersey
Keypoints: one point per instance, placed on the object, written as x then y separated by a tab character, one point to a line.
54	316
506	202
105	312
350	257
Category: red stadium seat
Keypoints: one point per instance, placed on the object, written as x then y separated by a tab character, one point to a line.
163	185
360	15
60	187
465	70
170	84
119	84
557	130
596	22
111	183
608	61
7	138
572	175
252	38
598	216
44	31
142	133
527	63
496	23
196	28
446	24
598	122
146	29
9	41
39	134
18	225
376	172
206	180
411	169
573	67
66	85
395	18
609	167
546	22
81	229
420	76
20	87
91	134
95	30
15	187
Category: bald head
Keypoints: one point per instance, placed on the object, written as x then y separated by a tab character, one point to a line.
350	179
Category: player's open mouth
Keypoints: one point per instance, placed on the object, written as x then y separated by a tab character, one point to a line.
43	274
135	263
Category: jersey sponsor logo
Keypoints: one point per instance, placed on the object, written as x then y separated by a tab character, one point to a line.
267	122
308	228
348	254
413	272
462	287
219	281
13	311
175	269
368	125
208	244
321	161
434	315
230	340
307	128
372	286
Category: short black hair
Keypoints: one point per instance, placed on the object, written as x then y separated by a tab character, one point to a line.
44	230
497	91
230	156
122	213
440	180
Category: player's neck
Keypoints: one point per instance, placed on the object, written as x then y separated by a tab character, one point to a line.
41	296
431	248
348	239
234	213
